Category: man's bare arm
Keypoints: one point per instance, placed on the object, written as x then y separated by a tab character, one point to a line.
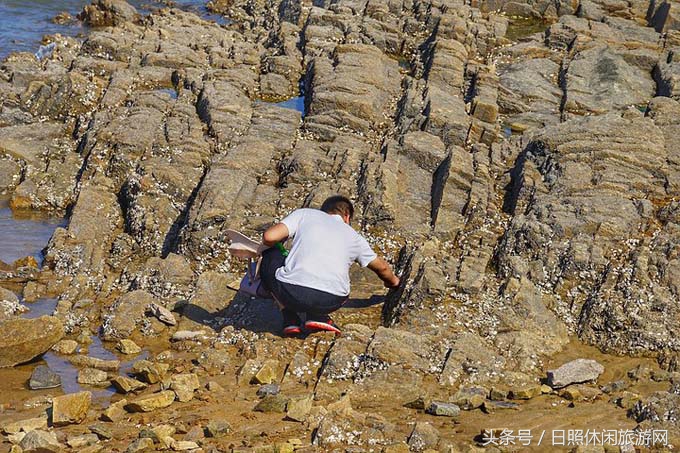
384	271
275	233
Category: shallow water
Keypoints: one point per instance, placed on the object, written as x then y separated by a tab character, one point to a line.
25	234
297	103
40	307
23	23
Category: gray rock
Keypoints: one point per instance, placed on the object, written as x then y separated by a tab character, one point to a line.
43	377
576	371
268	389
443	409
38	441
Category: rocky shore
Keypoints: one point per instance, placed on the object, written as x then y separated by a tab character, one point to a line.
518	161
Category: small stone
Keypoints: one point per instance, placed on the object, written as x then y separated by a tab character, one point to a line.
83	361
184	445
126	346
217	428
419	403
162	314
25	425
43	378
444	409
38	441
247	372
84	338
151	402
138	445
101	431
267	373
213	386
423	436
268	389
469	397
115	412
491	406
214	361
576	371
546	389
298	407
498	393
184	386
160	434
627	400
570	394
525	392
189	335
93	377
83	440
65	347
124	384
195	434
69	409
272	403
614	386
151	372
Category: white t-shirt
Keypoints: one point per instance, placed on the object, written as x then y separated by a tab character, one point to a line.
324	247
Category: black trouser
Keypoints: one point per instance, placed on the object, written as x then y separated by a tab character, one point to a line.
295	298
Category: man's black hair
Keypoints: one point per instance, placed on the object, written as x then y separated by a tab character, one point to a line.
337	204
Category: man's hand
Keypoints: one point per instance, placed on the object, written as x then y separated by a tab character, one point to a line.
384	271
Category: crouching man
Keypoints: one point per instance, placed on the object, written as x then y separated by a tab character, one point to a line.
314	278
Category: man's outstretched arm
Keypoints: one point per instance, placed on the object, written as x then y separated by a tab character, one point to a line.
275	233
384	271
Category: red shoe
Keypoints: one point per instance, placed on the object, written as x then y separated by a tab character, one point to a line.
293	330
317	325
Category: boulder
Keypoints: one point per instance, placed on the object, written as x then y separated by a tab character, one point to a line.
576	371
24	339
126	312
43	378
70	409
105	13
